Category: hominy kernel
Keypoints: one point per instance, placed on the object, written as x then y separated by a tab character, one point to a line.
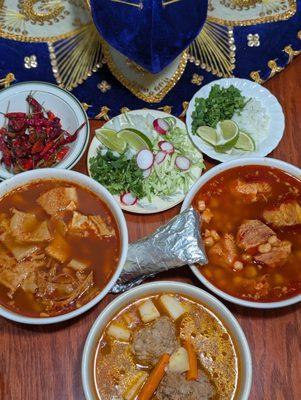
250	271
265	248
215	235
201	205
209	241
273	239
207	215
238	266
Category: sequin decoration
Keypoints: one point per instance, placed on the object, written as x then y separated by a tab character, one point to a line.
30	62
253	40
197	79
104	86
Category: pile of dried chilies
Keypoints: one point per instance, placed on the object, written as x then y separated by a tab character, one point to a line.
33	140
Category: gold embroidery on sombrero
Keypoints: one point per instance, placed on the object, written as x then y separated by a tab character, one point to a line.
73	60
214	50
42	11
8	80
124	110
262	11
103	114
38	21
86	106
166	109
185	105
272	64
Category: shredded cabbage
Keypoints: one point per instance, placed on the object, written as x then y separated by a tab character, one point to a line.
166	178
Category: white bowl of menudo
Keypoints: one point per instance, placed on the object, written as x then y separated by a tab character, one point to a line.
251	227
166	340
63	243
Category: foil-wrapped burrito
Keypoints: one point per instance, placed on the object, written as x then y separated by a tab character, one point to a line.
172	245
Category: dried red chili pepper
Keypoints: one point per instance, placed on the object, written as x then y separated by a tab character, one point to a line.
16	115
16	125
61	153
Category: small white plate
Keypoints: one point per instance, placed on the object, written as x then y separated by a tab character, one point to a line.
119	122
62	103
248	89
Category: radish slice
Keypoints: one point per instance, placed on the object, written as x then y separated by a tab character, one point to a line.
146	173
145	159
182	163
160	157
167	147
161	126
128	199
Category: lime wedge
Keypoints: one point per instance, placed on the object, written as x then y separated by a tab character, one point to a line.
208	134
229	132
109	138
134	138
245	142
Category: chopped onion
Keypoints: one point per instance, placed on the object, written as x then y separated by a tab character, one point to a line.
128	199
160	157
145	159
161	126
167	147
183	163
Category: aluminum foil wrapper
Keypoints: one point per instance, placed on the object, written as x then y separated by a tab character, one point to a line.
172	245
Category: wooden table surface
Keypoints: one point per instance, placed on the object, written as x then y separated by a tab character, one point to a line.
45	362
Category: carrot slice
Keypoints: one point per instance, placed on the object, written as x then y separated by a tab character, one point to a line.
192	374
154	378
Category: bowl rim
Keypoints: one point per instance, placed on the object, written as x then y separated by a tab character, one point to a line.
207	299
265	161
81	179
72	163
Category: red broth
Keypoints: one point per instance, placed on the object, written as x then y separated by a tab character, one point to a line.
257	261
71	266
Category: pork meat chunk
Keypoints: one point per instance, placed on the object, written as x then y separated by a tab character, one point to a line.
59	199
287	214
174	386
155	339
252	233
250	192
224	252
278	255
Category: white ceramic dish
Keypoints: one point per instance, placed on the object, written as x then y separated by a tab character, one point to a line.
158	204
172	287
83	180
271	162
248	89
62	103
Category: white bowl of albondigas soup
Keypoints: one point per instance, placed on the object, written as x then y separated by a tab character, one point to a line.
63	243
166	341
251	227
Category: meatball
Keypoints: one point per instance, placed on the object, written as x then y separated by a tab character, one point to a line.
155	339
174	386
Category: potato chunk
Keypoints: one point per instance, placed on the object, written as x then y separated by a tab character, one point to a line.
135	385
148	311
119	332
178	361
172	306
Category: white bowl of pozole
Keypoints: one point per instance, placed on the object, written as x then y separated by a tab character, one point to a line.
251	227
63	243
166	340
